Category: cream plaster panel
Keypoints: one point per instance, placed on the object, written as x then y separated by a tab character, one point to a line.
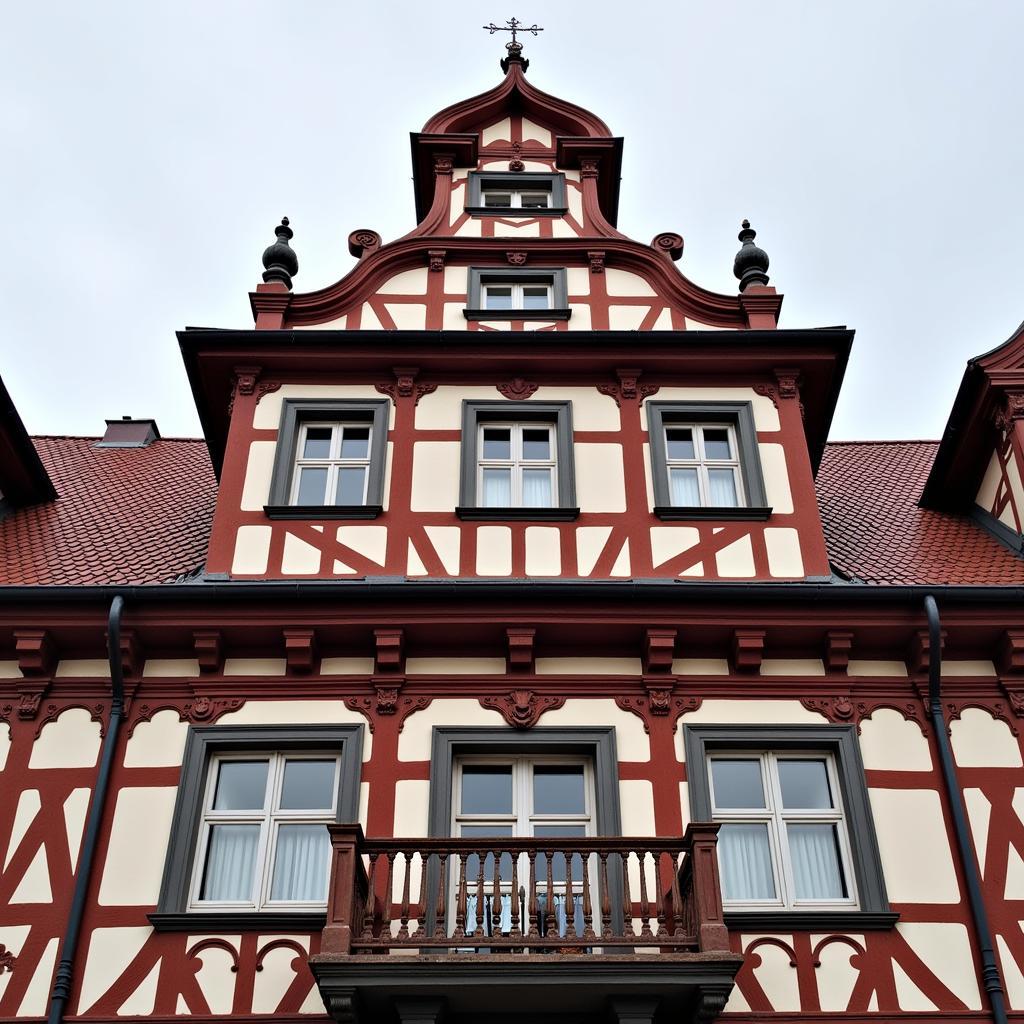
268	412
908	995
575	198
10	670
369	541
532	130
346	666
736	559
888	742
407	316
494	551
577	280
415	739
532	325
364	802
299	712
783	547
989	484
766	416
590	409
83	668
142	1000
626	318
543	551
273	981
502	229
500	132
435	475
412	799
590	542
960	669
1006	516
776	478
1014	888
636	798
368	319
600	478
170	668
300	558
792	667
669	541
1013	974
12	939
446	541
746	712
1016	487
835	975
408	282
111	950
255	666
696	325
571	175
414	564
138	842
71	741
621	566
442	409
979	813
158	743
775	976
700	667
472	228
216	978
34	886
664	321
981	741
623	282
29	803
455	666
736	1002
589	666
37	996
860	667
458	203
581	319
75	808
631	742
560	228
258	471
916	860
456	279
252	549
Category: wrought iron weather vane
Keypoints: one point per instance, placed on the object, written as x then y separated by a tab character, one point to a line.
513	25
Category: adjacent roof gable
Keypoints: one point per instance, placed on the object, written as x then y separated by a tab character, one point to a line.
23	477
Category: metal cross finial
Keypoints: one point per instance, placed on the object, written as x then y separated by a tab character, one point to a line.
513	26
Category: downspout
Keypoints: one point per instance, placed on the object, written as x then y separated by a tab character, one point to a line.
989	966
69	945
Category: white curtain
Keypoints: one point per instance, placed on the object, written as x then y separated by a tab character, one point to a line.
537	488
685	492
815	862
497	488
300	863
722	488
231	863
746	862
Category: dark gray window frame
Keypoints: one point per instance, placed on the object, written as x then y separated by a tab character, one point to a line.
296	410
553	182
841	742
172	913
596	743
558	413
741	416
478	276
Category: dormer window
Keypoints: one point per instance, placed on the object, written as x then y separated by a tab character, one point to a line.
516	295
516	199
516	194
507	294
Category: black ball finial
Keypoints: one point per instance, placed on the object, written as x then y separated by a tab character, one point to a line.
751	262
279	259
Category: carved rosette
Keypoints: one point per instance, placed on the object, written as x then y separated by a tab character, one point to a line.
518	389
517	259
405	386
516	163
387	701
522	708
363	241
629	388
669	244
659	703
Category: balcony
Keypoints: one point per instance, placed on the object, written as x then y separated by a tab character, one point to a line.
576	929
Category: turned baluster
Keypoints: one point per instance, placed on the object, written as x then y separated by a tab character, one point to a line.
514	931
496	896
605	897
627	898
661	897
421	905
531	912
460	903
403	931
371	898
480	911
442	900
588	917
549	900
677	900
385	917
570	902
645	906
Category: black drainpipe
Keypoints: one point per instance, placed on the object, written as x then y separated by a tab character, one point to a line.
65	968
989	966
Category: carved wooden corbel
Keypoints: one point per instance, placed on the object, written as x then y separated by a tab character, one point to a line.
748	649
520	648
838	644
628	387
389	654
209	648
36	652
1010	652
919	654
300	650
659	650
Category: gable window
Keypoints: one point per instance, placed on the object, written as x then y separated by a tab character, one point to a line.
705	462
508	294
517	461
330	460
516	194
796	838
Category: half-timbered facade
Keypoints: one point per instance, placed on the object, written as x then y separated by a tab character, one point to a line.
514	646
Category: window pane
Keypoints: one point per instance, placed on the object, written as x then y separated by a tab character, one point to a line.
684	487
537	488
308	785
534	200
230	863
817	871
536	443
746	863
804	784
716	443
312	484
722	488
558	859
318	443
497	488
535	297
679	443
300	863
497	199
241	786
497	443
487	789
497	297
737	783
351	482
355	443
558	789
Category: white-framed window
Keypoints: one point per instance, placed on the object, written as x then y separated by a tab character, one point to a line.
703	465
517	295
516	199
784	840
262	840
517	465
332	463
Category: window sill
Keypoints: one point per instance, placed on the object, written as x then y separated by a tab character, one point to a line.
517	314
322	511
815	920
518	211
558	515
747	513
239	920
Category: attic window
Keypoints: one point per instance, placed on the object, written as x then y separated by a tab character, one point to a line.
129	433
502	294
516	194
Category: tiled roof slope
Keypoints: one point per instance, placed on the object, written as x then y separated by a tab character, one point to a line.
875	532
123	515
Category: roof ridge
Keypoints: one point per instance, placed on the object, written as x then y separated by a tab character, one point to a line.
906	440
96	437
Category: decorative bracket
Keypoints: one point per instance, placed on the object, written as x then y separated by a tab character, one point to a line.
389	656
596	259
628	388
659	702
659	649
300	650
37	655
919	655
132	658
435	258
522	708
516	163
520	648
405	385
1010	652
517	259
844	710
387	700
1012	410
748	649
209	648
518	389
838	644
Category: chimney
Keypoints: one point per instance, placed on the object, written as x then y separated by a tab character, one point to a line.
129	433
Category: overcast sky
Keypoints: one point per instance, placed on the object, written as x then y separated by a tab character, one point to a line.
149	149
